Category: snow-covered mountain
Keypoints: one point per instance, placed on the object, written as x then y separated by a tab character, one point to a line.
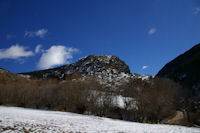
108	70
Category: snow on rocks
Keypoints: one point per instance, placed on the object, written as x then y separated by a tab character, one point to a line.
108	70
17	120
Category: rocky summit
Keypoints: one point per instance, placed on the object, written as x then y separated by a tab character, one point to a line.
106	69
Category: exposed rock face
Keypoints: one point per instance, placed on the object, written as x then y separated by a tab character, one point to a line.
94	64
185	69
91	65
106	69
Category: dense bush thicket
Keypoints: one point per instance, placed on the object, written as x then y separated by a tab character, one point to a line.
154	100
80	96
143	101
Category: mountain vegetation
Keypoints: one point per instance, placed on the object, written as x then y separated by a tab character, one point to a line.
140	101
103	86
184	70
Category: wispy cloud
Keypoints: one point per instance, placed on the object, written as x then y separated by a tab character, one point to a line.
15	52
56	55
197	11
152	31
38	48
10	36
39	33
144	67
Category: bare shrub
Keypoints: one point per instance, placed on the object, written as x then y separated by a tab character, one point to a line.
155	100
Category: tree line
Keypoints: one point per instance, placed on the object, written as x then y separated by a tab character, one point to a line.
143	101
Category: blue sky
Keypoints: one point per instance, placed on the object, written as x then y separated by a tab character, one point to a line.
146	34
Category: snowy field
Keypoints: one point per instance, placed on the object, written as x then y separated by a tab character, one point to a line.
14	119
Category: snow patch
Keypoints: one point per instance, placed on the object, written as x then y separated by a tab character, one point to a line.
17	120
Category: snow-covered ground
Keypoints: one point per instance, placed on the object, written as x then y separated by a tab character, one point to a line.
14	119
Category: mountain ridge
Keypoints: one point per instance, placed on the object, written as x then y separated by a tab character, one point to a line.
184	69
88	65
108	70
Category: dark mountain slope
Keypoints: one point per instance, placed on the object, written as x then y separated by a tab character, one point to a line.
185	69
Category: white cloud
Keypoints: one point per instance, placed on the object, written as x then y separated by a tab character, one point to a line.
144	67
39	33
56	55
152	31
197	11
38	48
15	52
